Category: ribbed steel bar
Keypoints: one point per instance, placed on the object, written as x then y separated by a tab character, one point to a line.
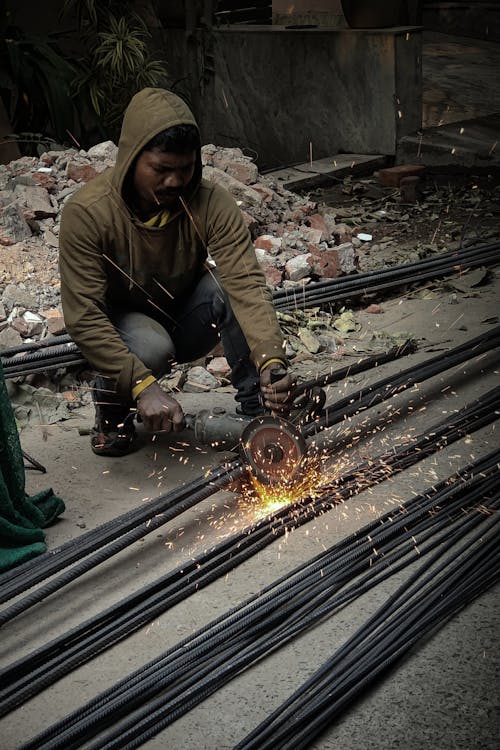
29	346
28	676
318	293
450	262
373	394
201	681
318	701
17	580
365	397
161	712
171	509
441	259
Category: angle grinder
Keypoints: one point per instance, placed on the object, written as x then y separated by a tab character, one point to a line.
272	448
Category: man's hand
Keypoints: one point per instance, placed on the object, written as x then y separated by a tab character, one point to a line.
277	395
159	412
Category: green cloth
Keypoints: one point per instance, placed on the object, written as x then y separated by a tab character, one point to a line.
21	517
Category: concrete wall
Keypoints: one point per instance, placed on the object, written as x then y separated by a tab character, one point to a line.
319	12
274	91
477	19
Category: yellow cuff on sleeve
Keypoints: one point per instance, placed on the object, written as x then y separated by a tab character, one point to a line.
142	385
269	362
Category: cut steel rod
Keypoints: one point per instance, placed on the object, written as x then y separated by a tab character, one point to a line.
297	722
315	293
27	677
366	397
205	661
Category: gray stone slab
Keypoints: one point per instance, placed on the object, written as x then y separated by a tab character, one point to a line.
470	143
319	171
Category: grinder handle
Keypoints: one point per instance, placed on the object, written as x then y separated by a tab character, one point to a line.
277	374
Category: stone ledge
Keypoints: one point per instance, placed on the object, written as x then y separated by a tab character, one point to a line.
317	173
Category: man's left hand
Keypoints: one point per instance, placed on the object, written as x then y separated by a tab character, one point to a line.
277	395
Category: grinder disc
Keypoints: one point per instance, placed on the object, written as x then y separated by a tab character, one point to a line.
273	449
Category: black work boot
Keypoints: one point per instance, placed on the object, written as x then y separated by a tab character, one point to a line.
113	433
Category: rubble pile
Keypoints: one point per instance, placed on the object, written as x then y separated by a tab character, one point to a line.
294	242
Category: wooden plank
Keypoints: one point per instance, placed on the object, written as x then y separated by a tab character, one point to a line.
318	172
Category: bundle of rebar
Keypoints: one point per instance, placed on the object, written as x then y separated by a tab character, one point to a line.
60	351
114	536
433	594
350	287
153	697
28	676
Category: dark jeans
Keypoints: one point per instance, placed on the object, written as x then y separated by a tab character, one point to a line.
196	326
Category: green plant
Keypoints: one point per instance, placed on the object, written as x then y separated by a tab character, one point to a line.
118	61
36	84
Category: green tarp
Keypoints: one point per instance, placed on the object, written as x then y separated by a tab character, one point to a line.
22	518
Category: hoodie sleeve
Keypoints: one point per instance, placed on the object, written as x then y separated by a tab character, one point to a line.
83	294
230	246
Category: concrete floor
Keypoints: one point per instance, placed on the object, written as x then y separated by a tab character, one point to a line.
460	105
461	79
444	695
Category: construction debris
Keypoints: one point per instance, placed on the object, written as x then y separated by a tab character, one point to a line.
358	226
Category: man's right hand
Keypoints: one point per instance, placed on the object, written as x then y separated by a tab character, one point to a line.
159	412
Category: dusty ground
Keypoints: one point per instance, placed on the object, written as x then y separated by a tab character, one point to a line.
452	209
444	695
460	78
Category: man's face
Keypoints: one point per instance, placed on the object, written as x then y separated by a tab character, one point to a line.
160	177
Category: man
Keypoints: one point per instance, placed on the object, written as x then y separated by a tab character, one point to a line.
138	290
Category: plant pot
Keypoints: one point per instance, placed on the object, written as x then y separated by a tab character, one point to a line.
375	14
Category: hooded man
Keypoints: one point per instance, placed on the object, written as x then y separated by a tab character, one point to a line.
138	290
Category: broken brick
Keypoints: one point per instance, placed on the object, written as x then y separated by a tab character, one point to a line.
324	263
245	172
342	233
268	243
392	176
45	180
218	367
265	192
409	189
273	275
80	172
316	221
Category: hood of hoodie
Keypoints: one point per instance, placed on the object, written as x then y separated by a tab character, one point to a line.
150	112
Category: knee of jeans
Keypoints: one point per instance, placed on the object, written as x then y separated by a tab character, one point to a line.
212	290
156	351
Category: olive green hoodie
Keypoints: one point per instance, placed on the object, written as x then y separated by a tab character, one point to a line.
109	259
